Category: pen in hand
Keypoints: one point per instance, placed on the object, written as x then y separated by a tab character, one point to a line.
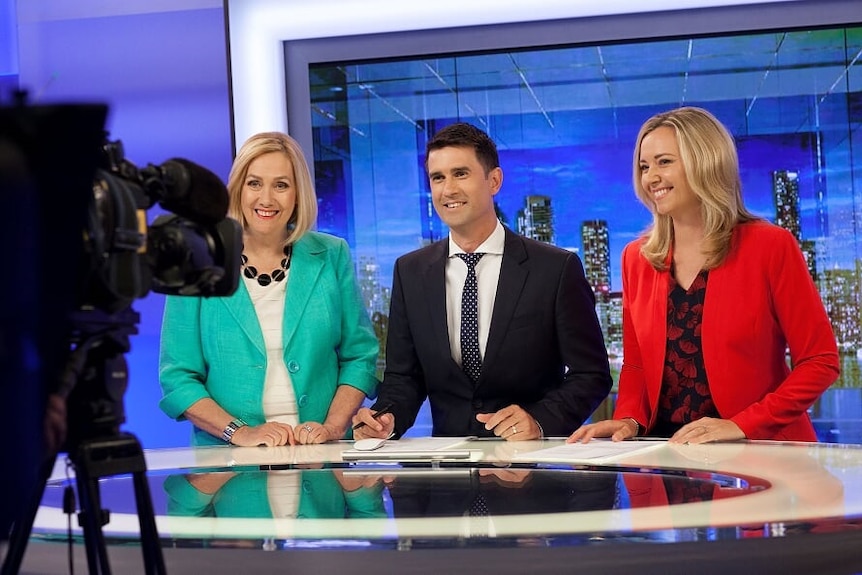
383	410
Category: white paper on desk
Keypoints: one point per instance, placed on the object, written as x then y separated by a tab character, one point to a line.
414	446
597	450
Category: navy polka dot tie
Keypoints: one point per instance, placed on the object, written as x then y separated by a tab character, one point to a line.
471	361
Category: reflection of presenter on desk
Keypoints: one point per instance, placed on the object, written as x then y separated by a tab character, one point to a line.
295	493
802	490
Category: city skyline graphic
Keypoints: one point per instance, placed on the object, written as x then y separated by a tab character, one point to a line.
565	121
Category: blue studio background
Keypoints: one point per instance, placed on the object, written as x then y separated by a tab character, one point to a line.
161	66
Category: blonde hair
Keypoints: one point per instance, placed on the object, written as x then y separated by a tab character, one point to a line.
304	214
709	158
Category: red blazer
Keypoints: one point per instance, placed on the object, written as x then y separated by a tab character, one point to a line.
758	301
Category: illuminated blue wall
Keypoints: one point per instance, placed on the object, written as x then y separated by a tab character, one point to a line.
163	72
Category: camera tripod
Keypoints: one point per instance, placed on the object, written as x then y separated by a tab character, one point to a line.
94	382
93	459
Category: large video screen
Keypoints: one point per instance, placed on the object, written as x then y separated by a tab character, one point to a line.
565	118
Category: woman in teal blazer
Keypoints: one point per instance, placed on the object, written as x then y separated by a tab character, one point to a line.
312	340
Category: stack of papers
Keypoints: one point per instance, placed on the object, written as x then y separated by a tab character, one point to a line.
413	448
596	451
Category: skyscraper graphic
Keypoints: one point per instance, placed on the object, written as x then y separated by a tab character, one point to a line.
809	250
614	338
368	277
839	288
821	220
841	298
596	254
535	219
597	268
785	194
376	299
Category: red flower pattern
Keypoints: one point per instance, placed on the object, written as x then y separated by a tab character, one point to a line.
685	393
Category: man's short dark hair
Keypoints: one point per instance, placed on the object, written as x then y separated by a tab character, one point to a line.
466	135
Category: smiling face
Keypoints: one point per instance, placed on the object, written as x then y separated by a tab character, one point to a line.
463	194
269	196
663	176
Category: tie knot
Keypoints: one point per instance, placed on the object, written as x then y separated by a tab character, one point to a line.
471	259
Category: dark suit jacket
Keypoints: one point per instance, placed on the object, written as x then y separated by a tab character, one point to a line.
544	322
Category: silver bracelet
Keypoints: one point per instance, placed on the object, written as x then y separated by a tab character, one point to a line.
231	428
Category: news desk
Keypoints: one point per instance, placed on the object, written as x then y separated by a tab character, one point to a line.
498	507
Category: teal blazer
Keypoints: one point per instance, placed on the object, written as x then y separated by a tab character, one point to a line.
214	348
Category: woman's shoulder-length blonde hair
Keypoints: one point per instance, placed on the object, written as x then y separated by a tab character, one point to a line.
305	212
709	158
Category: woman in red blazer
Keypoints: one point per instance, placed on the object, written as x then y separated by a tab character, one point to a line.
712	299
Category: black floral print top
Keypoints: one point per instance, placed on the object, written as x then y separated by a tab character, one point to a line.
685	395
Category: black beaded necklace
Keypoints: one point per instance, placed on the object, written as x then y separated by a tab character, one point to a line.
276	275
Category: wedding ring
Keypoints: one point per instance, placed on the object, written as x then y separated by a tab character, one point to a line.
308	428
514	430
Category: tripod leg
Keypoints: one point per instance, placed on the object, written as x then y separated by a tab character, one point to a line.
151	548
22	528
91	522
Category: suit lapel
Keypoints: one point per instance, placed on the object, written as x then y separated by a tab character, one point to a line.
240	307
305	270
513	276
434	280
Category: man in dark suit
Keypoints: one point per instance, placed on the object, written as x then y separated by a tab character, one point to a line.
534	361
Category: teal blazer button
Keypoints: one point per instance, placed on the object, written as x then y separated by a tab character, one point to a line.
303	400
292	366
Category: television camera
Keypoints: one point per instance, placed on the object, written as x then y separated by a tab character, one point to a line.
80	252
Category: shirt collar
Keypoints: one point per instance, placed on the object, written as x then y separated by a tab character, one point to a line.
492	245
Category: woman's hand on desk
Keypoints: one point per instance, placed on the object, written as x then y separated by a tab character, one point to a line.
616	429
312	432
269	434
706	430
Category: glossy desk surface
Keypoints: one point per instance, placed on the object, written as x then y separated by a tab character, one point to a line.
663	493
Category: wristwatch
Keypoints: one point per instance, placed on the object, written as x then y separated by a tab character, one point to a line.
231	428
637	425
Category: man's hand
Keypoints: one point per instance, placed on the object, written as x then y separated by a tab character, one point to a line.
512	423
381	427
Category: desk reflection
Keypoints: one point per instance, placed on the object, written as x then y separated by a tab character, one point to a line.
503	491
294	493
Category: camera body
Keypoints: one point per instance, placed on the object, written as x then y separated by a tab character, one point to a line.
80	251
193	251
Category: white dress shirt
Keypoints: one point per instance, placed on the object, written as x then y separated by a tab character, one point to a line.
487	276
